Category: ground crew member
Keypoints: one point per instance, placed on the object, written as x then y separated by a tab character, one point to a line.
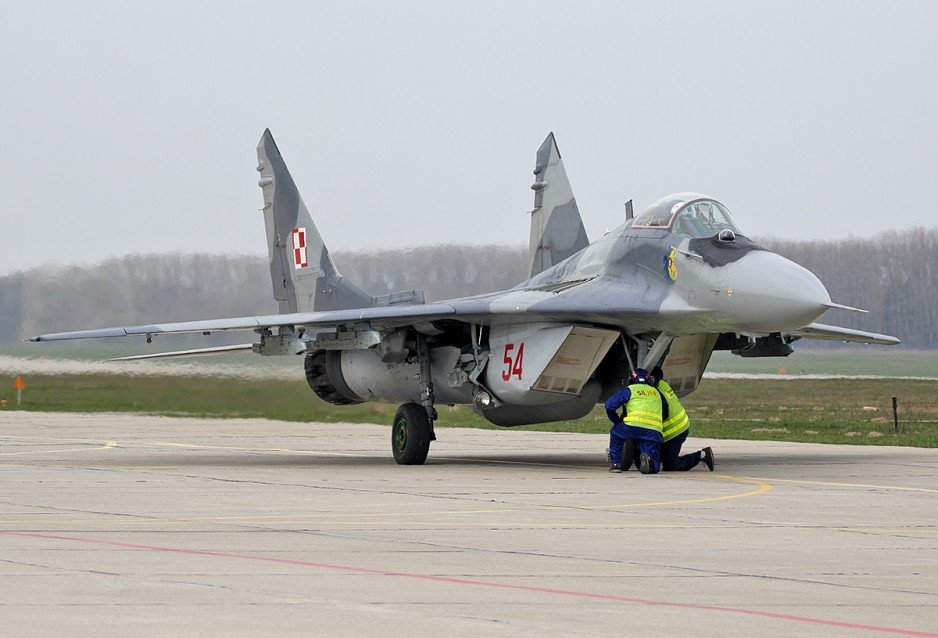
640	422
674	430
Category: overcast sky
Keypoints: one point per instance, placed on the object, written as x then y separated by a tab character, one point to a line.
131	126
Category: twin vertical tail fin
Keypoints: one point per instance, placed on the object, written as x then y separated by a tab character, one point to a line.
302	273
557	231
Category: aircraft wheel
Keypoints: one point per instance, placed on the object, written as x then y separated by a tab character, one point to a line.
411	434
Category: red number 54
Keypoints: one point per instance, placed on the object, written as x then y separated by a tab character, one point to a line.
512	366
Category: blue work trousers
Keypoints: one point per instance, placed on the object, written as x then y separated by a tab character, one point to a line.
647	441
671	459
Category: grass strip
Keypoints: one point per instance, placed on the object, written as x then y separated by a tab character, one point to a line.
855	411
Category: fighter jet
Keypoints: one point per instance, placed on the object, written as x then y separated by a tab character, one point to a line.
670	285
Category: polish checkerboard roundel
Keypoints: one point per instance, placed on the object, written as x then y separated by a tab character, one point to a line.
300	258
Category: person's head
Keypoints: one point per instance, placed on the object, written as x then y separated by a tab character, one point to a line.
658	374
639	375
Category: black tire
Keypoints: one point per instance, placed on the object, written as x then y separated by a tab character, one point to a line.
411	434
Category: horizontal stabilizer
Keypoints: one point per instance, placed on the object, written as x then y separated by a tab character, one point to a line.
836	333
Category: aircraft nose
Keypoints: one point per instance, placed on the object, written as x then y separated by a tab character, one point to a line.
769	293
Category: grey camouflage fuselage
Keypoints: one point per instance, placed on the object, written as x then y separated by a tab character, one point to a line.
638	281
669	285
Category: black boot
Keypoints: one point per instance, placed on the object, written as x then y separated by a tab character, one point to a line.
629	454
644	464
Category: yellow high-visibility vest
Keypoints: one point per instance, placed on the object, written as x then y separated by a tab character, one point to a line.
644	407
678	421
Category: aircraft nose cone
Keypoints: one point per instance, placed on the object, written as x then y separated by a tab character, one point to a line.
772	294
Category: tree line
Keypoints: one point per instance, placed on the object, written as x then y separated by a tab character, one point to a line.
894	276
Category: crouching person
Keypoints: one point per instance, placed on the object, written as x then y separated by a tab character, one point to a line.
674	431
640	423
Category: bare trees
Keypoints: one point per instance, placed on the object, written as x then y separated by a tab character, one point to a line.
442	271
894	276
134	289
173	287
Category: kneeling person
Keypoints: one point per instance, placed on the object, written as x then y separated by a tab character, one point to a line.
674	431
640	423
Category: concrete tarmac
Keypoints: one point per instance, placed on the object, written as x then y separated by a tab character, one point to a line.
150	526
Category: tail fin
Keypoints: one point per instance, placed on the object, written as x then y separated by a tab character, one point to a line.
556	228
302	273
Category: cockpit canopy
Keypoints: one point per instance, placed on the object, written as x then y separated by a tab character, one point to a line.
689	214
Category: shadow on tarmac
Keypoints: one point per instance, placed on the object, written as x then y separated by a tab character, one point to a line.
549	462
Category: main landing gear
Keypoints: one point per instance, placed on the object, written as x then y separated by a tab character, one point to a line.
411	434
412	429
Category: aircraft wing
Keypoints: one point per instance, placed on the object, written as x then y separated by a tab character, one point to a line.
613	302
400	315
835	333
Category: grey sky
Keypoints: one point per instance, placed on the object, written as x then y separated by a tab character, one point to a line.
130	126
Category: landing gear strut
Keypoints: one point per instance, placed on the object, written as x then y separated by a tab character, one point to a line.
412	430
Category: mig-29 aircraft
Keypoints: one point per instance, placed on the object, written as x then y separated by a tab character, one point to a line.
669	286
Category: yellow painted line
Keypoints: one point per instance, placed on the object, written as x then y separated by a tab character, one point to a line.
318	518
761	488
856	485
48	438
107	446
253	450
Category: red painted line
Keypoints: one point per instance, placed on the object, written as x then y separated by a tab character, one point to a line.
477	583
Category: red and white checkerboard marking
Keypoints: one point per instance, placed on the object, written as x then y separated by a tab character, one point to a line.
300	259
